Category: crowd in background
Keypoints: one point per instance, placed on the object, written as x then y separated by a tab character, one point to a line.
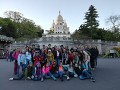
40	63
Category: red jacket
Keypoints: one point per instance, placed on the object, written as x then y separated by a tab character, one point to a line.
37	59
71	57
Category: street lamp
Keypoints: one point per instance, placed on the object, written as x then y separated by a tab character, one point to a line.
0	28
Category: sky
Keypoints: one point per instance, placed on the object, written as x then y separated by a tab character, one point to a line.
43	12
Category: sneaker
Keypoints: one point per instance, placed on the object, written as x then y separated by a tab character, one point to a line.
42	79
75	75
68	78
10	79
54	78
92	79
32	77
28	78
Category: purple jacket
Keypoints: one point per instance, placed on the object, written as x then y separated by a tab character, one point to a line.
15	55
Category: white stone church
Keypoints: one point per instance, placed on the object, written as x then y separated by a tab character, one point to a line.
58	28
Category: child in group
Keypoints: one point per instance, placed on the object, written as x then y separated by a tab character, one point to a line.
70	56
86	59
28	56
44	60
15	57
76	57
46	72
54	70
62	71
37	73
64	57
50	56
83	73
57	56
37	58
21	61
26	74
70	70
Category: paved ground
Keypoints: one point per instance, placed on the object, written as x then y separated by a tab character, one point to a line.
107	77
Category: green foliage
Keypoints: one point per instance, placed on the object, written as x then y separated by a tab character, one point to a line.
19	27
90	26
89	29
8	27
91	18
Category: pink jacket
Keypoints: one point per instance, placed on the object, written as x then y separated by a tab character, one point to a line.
15	55
45	70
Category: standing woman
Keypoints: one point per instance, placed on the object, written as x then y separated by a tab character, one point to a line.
44	60
64	57
58	55
92	58
70	57
86	59
15	57
50	57
21	61
81	56
28	56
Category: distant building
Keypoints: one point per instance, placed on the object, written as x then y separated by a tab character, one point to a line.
4	44
58	28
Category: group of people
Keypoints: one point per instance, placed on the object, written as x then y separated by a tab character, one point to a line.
40	63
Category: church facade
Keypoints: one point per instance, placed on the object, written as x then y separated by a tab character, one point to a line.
58	34
59	28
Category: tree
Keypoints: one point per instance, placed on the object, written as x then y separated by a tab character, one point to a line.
14	16
91	23
8	27
91	18
115	22
19	27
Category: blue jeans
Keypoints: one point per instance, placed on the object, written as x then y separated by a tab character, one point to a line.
48	75
87	65
85	75
57	61
36	77
23	68
60	74
28	61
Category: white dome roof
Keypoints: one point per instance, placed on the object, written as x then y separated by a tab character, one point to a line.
65	24
59	18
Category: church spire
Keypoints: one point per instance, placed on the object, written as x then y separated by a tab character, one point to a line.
59	12
53	20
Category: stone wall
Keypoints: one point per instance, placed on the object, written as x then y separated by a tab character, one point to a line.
102	46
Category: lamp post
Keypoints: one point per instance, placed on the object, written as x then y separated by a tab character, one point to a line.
0	28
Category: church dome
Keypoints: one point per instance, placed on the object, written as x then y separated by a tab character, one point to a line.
59	18
65	24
